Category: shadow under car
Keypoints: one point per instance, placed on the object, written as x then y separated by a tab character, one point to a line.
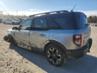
86	64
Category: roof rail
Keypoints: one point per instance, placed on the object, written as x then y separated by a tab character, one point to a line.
47	13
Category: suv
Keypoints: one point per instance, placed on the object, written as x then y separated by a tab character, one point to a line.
61	35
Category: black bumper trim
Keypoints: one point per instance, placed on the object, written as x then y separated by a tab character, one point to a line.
77	53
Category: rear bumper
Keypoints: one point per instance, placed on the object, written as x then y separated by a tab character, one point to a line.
81	51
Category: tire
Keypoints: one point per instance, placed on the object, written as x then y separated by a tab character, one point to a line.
6	38
55	55
11	40
90	43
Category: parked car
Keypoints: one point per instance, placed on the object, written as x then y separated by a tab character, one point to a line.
60	35
7	21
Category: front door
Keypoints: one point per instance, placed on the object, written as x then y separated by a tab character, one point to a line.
38	32
22	35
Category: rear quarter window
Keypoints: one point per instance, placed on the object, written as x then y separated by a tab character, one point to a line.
62	21
68	21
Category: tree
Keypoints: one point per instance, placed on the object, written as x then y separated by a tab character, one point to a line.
92	19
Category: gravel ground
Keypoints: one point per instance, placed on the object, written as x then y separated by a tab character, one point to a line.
17	60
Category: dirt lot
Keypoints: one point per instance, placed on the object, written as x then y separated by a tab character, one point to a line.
17	60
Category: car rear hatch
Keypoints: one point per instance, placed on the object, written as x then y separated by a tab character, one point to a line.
83	26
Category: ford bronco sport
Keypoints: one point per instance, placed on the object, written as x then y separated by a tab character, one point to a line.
59	34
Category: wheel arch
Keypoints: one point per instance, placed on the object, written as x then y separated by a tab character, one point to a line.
11	38
55	43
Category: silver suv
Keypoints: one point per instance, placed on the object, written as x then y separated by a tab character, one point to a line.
61	35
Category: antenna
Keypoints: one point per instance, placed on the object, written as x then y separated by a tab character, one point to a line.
73	8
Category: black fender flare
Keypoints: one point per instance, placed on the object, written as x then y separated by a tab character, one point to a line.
8	38
57	44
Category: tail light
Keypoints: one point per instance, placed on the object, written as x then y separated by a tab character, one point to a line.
77	39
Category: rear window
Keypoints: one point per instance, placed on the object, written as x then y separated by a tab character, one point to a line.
68	21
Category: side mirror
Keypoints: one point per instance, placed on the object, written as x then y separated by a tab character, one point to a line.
15	28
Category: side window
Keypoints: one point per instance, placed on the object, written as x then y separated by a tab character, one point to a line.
40	23
26	24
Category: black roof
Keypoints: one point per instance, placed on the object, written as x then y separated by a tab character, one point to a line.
50	13
53	13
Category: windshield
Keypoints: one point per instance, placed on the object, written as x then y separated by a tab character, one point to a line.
26	22
68	21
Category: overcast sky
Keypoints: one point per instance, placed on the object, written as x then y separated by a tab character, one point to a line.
89	6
